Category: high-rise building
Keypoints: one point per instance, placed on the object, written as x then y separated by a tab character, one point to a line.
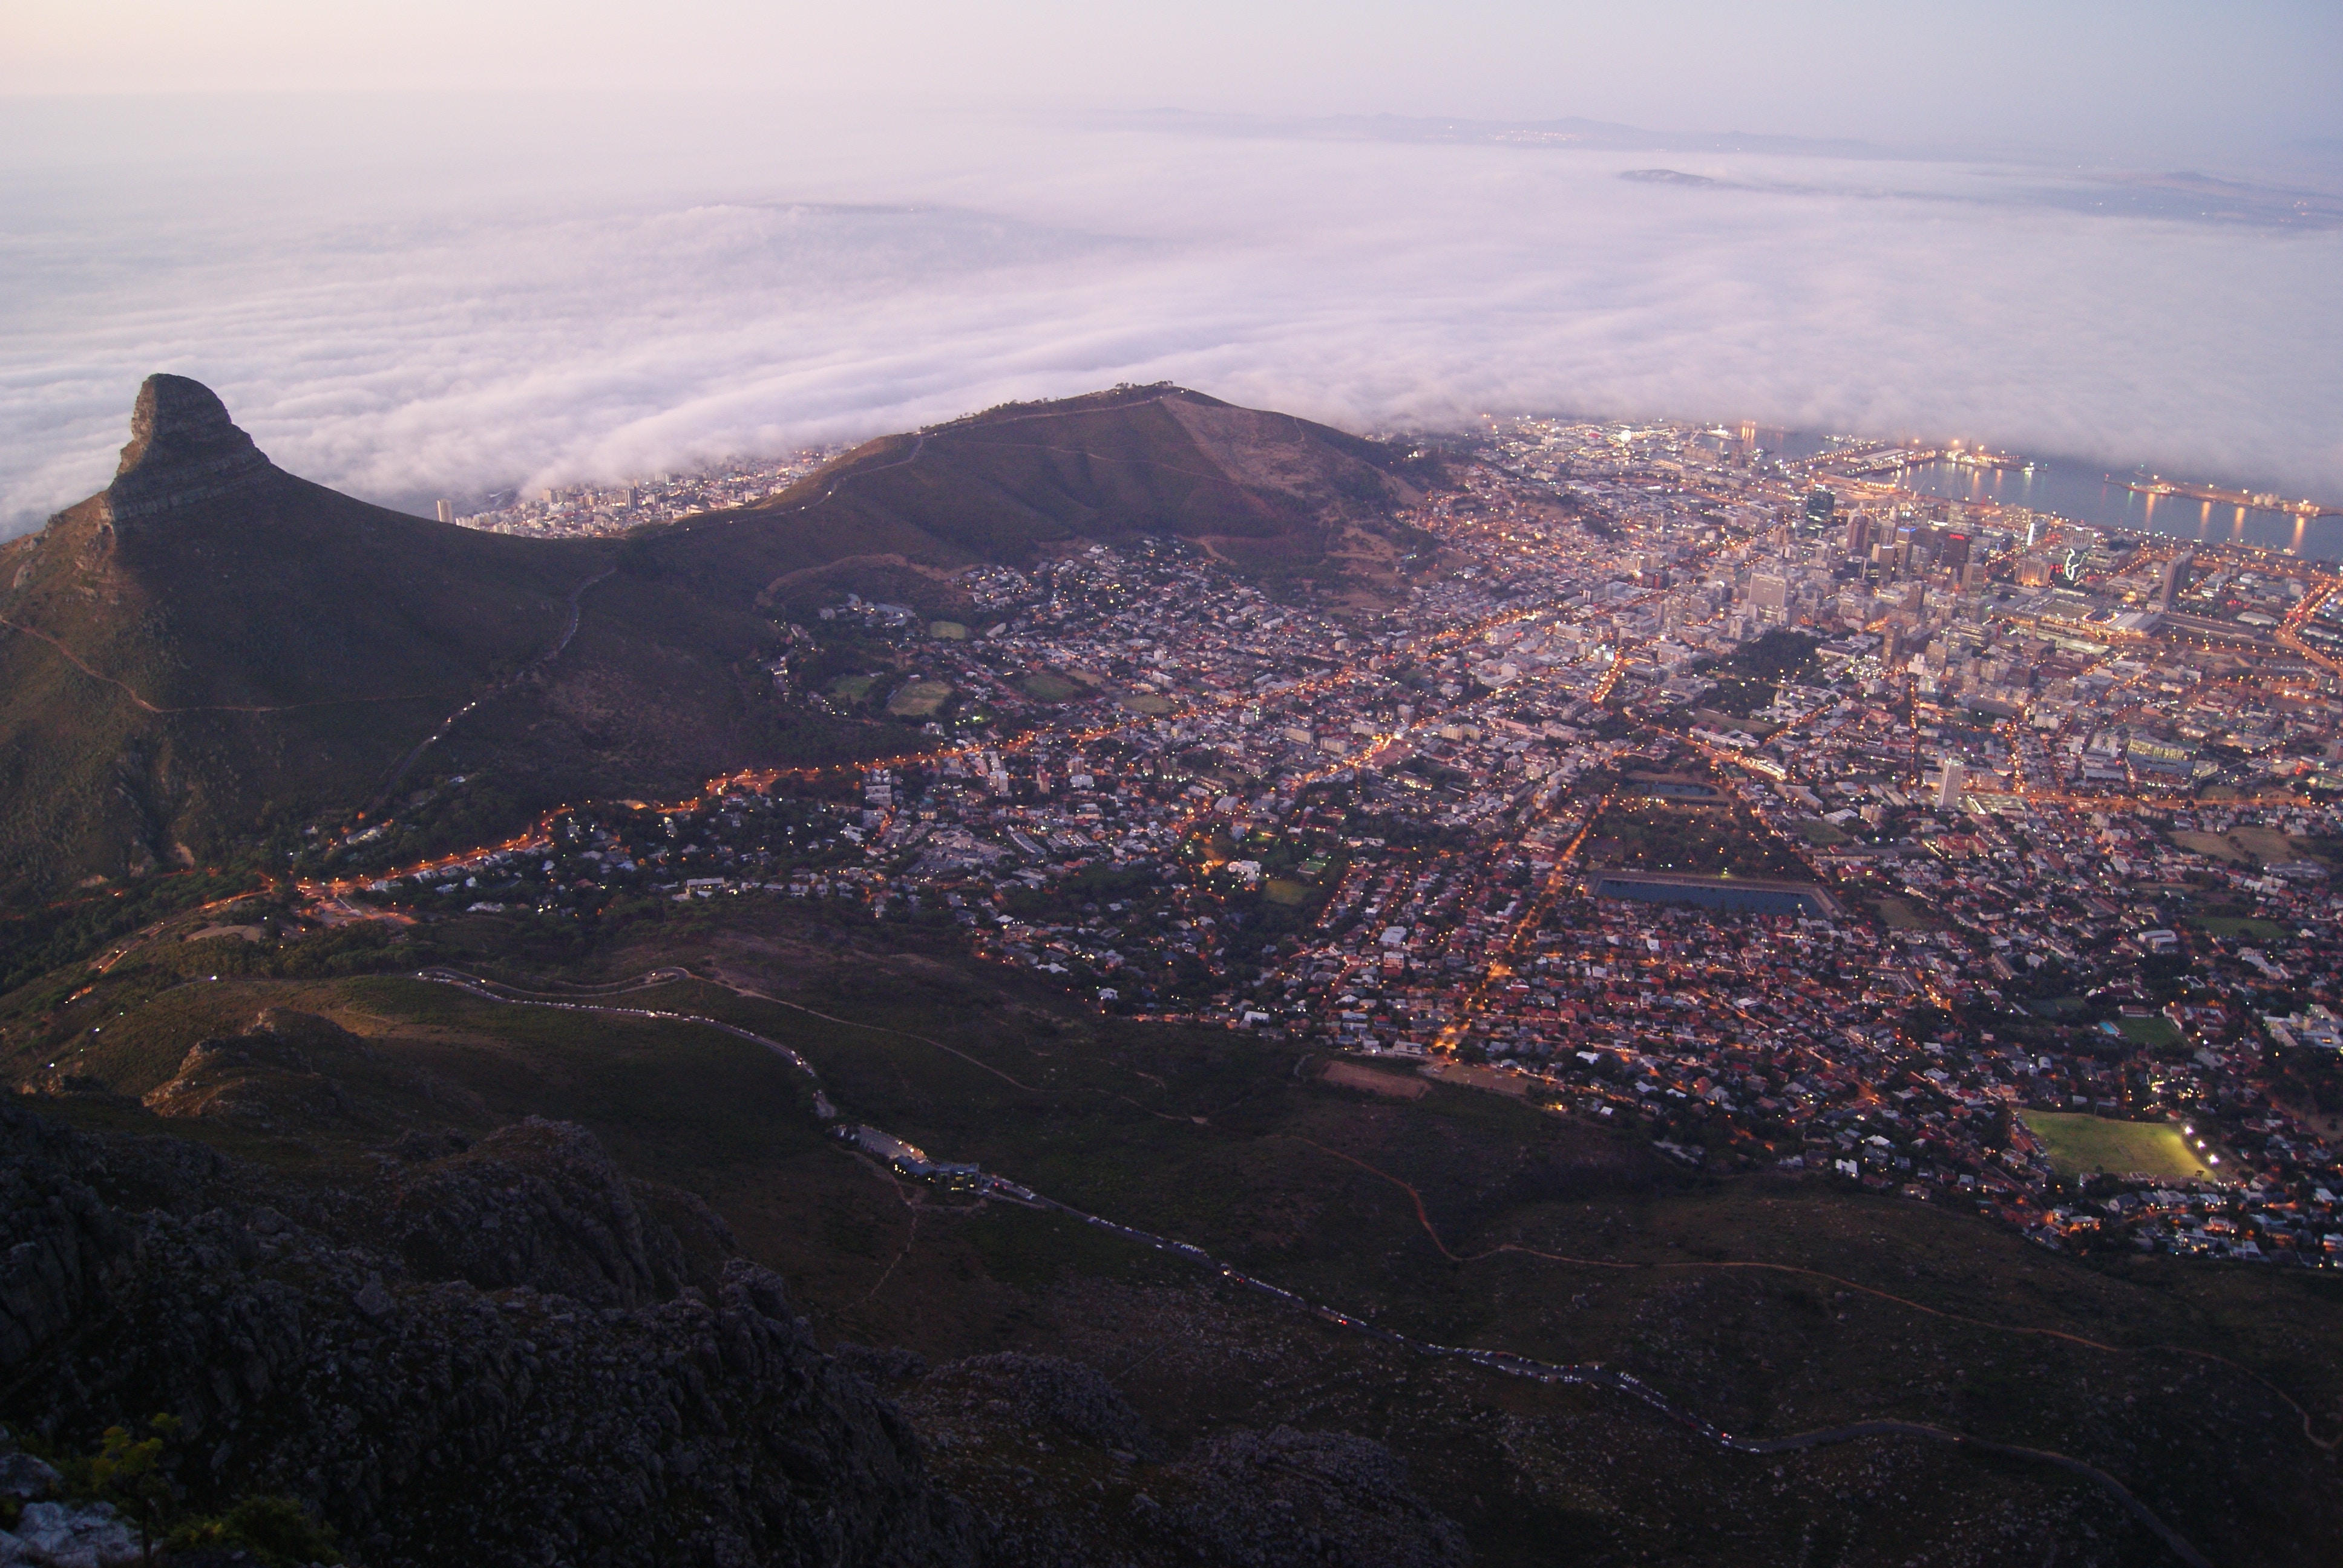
1858	532
1910	538
1949	788
1820	506
446	511
1952	550
2176	577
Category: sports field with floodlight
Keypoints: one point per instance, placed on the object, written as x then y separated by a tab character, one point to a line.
2080	1144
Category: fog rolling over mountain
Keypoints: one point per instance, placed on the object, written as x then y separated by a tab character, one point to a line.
415	298
211	648
1247	785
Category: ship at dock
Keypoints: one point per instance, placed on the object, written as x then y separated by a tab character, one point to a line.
2260	501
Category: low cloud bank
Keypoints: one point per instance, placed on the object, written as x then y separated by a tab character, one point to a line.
407	312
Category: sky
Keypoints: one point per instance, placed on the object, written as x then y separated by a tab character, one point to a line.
2096	75
440	249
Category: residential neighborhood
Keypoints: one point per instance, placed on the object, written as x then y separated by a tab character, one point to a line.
1802	822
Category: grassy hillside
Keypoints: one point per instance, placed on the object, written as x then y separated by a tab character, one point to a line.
1537	1234
166	684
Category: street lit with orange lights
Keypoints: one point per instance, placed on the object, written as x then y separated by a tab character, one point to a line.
1652	784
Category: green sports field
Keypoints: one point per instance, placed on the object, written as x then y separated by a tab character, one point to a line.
2149	1030
921	699
2081	1144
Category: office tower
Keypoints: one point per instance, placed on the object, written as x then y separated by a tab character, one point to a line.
2175	579
1820	506
1858	533
1907	544
446	511
1948	791
1952	550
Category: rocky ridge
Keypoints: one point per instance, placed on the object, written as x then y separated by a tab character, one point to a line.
498	1350
212	651
428	1419
1066	1473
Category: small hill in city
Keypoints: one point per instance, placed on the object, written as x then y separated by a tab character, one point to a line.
1268	492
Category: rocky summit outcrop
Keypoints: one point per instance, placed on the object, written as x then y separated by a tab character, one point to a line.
541	1205
333	1351
1066	1473
183	448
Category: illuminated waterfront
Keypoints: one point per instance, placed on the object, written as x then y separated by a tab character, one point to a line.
2088	495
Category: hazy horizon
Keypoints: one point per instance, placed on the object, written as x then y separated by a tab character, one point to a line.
2158	77
415	285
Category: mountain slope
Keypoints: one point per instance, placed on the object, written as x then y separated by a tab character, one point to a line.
1266	490
212	652
211	649
210	634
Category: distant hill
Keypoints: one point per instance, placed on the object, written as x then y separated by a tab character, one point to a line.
212	651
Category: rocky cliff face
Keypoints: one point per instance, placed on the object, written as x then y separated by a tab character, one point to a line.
184	448
1065	1474
496	1351
489	1357
537	1205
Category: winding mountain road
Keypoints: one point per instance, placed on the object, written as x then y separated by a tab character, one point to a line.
1587	1374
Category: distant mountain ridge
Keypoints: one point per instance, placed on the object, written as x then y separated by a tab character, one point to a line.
1573	132
211	650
